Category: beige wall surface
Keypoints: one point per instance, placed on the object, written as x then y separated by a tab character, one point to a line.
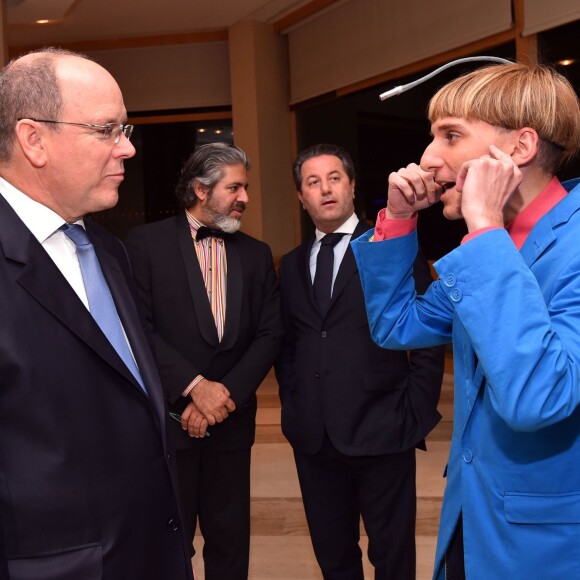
363	38
259	69
171	77
541	15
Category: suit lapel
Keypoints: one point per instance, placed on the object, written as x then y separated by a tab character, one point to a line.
197	288
304	270
543	233
234	293
56	295
347	267
129	316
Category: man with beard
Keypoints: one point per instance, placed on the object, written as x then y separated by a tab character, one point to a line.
210	295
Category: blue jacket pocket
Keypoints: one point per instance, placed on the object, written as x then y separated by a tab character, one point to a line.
541	508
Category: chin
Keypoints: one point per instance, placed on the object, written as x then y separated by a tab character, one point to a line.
452	213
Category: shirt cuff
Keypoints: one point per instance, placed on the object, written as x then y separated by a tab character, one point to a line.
386	229
476	233
192	385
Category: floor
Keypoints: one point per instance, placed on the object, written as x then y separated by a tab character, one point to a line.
280	544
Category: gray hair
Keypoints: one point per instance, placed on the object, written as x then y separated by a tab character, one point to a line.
206	166
29	87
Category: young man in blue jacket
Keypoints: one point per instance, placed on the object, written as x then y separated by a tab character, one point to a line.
509	299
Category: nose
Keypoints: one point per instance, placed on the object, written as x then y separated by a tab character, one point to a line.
325	186
243	195
124	148
430	160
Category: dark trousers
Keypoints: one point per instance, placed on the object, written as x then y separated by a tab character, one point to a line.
338	489
454	559
214	486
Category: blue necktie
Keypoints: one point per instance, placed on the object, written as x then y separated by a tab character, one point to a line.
101	304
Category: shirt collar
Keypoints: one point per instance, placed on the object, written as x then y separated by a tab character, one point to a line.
522	224
194	223
39	219
347	227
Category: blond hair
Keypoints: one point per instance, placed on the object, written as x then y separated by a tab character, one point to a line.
514	96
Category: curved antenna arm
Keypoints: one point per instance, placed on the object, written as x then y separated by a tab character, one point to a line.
402	88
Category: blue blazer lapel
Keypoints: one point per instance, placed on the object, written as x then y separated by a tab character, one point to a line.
543	234
199	297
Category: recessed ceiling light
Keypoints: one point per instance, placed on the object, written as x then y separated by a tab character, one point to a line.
218	131
43	21
566	61
201	130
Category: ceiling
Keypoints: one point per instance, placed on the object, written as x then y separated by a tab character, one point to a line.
74	21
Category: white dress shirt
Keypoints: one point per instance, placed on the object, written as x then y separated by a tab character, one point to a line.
347	228
44	225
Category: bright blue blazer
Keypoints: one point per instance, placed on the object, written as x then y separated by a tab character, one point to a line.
514	320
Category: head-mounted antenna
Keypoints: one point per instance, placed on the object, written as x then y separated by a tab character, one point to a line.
402	88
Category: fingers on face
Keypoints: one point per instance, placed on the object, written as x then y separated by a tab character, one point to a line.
415	184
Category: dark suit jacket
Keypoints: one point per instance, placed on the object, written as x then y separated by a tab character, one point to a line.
85	489
333	377
184	333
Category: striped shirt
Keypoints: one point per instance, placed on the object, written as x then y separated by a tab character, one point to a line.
211	253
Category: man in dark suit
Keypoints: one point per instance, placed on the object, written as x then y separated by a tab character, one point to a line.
85	488
353	412
211	296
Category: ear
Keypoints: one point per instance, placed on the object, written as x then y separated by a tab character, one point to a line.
31	142
201	191
525	146
353	183
300	197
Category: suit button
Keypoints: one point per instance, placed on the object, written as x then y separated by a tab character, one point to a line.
456	295
467	456
323	334
449	280
172	525
316	375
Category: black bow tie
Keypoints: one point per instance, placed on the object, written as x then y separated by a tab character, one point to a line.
205	232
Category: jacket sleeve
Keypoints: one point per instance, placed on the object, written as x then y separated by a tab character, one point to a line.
284	367
245	376
427	364
399	318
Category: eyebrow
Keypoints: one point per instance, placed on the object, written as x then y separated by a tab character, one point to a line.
448	127
318	174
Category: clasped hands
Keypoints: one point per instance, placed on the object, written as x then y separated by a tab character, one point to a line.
485	186
210	404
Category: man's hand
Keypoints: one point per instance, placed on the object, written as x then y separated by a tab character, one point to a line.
193	421
486	185
213	400
410	190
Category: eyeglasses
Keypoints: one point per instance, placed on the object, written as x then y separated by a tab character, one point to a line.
107	131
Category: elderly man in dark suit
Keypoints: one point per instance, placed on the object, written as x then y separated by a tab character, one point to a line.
85	488
211	296
353	412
